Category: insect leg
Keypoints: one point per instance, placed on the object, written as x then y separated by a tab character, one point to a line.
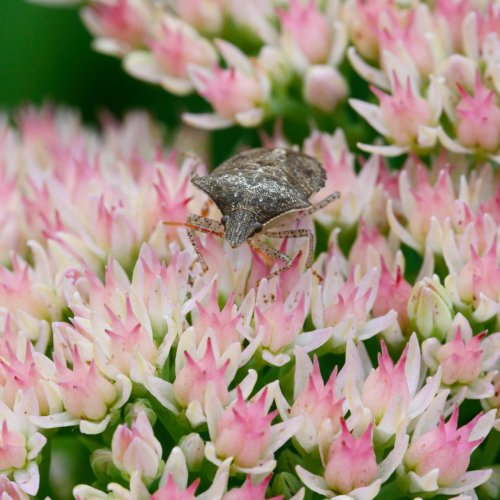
297	233
203	224
274	254
323	203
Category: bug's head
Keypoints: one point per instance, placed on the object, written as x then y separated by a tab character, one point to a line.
240	225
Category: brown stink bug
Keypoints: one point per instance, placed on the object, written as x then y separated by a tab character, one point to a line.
253	190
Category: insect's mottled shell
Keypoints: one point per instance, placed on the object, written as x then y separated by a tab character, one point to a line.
266	182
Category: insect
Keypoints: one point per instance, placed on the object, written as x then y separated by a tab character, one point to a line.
254	190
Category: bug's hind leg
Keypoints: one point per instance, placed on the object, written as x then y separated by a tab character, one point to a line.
297	233
274	254
203	224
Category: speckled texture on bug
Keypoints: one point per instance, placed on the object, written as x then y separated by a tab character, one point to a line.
268	182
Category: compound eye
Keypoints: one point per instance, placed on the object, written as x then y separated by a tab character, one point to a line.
224	219
258	227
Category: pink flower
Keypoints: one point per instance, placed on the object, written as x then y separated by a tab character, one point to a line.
446	448
86	393
17	292
318	402
205	15
480	276
403	34
461	361
244	431
324	87
385	385
450	15
425	208
351	461
478	118
126	336
238	94
362	18
307	27
171	491
25	375
370	248
249	491
13	453
403	112
225	324
10	490
430	309
137	449
281	324
488	22
172	50
192	379
393	293
120	24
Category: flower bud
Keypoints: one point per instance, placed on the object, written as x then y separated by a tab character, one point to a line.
351	462
461	361
324	87
193	448
385	384
137	449
133	410
445	448
244	431
102	464
430	309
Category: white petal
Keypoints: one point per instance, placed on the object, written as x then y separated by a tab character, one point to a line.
413	364
468	481
399	230
483	426
92	428
428	482
383	150
195	415
313	482
486	309
432	415
425	396
275	359
283	431
263	468
176	466
234	56
395	457
451	144
250	118
177	86
163	392
206	121
142	65
365	493
377	325
54	421
28	478
310	341
219	484
367	72
372	114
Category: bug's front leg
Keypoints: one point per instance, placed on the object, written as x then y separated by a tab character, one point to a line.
297	233
203	224
274	254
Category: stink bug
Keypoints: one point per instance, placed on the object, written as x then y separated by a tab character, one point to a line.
253	190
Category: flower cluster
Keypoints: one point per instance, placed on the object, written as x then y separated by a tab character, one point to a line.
229	384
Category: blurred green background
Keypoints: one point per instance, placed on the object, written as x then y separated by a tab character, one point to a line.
46	55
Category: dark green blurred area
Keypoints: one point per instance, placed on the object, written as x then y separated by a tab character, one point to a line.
46	55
